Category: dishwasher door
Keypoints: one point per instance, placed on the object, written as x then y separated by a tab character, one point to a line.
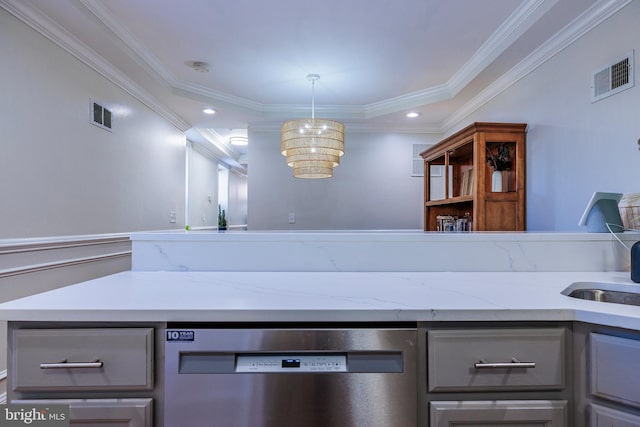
312	377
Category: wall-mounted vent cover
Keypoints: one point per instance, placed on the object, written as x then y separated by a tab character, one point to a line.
418	162
613	78
100	115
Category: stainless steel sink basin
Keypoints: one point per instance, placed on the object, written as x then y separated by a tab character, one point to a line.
605	292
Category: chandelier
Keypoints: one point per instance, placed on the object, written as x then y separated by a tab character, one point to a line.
312	146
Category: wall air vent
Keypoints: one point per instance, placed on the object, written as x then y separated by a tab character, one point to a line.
418	162
100	116
613	78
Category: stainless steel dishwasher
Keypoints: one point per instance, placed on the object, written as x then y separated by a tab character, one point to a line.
286	377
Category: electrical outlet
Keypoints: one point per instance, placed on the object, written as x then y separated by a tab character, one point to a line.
292	218
173	217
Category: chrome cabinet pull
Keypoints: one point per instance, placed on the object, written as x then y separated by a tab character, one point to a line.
64	365
515	363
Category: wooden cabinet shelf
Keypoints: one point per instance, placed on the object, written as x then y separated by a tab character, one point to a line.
461	185
450	201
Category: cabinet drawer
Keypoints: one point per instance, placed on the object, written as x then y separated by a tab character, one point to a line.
491	413
615	369
82	359
496	359
103	412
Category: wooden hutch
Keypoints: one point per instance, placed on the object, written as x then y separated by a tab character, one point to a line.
470	196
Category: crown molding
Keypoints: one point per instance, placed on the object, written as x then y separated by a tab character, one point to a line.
355	127
519	21
79	50
517	24
592	17
528	13
134	49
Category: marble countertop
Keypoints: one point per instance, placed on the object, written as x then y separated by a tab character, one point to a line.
162	296
379	250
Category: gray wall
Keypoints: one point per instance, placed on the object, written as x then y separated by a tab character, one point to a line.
61	175
371	189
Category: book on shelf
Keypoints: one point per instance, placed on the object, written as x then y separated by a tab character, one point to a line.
466	182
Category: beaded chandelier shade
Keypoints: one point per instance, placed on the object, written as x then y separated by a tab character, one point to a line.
312	146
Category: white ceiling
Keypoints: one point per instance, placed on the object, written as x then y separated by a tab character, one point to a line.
377	59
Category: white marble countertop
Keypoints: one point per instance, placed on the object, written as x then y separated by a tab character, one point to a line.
326	296
379	250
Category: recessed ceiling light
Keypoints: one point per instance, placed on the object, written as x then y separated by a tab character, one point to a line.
238	140
413	114
209	111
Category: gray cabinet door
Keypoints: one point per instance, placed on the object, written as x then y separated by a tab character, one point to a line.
103	412
506	413
615	369
606	417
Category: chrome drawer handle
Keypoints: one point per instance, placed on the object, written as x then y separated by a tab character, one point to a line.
515	363
65	365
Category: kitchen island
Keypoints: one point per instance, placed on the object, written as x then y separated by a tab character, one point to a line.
173	296
161	296
489	310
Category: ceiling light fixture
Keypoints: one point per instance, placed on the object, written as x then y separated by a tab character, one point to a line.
209	111
413	114
238	140
312	146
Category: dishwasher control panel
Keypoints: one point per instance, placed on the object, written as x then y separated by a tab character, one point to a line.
291	363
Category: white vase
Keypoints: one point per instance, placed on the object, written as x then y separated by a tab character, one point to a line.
496	182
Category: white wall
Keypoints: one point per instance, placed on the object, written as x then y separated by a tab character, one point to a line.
203	190
575	147
238	198
59	174
371	189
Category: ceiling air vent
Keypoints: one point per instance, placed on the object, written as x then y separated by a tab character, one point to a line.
613	78
100	116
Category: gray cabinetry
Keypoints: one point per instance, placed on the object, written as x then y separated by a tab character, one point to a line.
602	416
105	375
103	412
492	359
607	372
497	375
489	413
82	359
615	369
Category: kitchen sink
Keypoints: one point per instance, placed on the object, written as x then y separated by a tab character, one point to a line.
604	292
